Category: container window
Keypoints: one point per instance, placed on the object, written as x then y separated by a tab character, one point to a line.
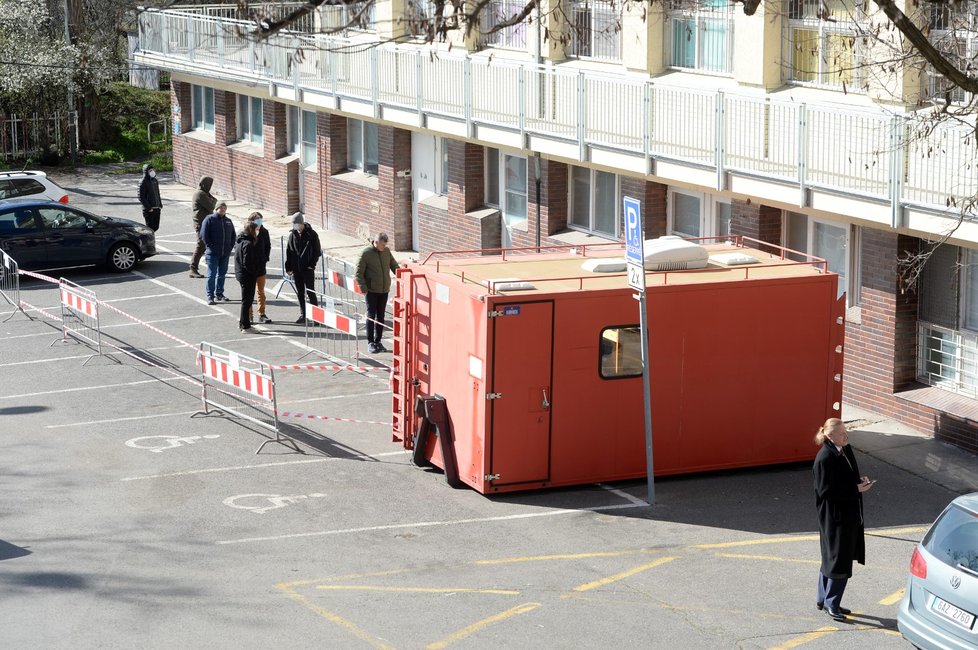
621	352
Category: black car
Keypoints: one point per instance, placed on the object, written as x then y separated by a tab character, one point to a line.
47	234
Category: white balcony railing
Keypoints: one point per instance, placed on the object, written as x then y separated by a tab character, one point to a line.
871	155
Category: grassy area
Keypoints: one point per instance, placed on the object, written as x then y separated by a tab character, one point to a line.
126	113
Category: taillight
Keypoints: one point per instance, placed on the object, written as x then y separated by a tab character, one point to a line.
918	565
63	199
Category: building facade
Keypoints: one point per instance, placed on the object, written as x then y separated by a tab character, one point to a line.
779	126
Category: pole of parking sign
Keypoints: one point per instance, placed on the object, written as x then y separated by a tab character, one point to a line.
646	395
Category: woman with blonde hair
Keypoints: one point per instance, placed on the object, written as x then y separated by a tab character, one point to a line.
839	502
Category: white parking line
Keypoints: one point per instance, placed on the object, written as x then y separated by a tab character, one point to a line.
211	470
155	295
174	289
430	524
84	388
121	325
621	493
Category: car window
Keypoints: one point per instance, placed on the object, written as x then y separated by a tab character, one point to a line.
6	189
17	220
60	218
954	538
26	187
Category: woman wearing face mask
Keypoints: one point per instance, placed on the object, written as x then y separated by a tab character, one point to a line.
149	197
263	250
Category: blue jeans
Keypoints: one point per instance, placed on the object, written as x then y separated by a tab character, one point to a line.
217	269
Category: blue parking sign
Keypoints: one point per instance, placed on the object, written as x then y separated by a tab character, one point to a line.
634	251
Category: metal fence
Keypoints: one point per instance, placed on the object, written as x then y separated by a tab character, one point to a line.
875	154
240	386
80	315
947	358
10	283
25	136
333	328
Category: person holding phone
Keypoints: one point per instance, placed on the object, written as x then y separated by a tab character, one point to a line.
839	492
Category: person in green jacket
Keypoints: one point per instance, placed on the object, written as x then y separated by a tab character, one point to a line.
374	279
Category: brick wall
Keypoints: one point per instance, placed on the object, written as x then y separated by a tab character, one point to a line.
751	219
652	197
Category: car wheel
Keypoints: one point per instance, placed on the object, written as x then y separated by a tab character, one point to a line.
123	257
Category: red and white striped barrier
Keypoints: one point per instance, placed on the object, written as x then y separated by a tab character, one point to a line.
348	282
307	416
329	368
246	380
331	319
78	302
79	314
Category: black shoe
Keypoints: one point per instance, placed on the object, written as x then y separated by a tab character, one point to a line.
372	348
835	614
262	318
819	606
224	299
210	301
300	320
380	347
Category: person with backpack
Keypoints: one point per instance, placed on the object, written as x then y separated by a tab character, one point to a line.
217	233
149	198
246	267
301	257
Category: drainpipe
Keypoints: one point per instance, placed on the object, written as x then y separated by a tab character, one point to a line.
537	178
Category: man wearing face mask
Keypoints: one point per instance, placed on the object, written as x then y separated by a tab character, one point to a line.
263	247
301	257
149	197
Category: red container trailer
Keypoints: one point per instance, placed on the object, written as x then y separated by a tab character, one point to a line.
538	363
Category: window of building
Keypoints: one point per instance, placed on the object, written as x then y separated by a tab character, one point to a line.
302	134
595	31
441	145
701	35
498	11
249	119
419	15
694	214
836	243
954	33
202	108
361	146
947	329
824	45
620	352
595	200
506	188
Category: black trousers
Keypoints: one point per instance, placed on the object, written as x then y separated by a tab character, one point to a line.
152	218
247	297
830	591
305	287
198	253
376	308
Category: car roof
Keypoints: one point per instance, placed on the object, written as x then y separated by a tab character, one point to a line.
23	173
22	202
968	502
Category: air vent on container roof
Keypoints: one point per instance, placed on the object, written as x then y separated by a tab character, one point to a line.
671	253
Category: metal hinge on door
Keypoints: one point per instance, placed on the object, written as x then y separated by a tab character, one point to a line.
493	395
492	477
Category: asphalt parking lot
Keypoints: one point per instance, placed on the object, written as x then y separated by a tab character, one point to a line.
128	521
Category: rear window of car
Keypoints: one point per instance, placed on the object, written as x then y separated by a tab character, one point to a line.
13	187
954	538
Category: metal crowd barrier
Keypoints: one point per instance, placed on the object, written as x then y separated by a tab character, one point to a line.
333	329
239	386
341	283
79	315
10	284
286	280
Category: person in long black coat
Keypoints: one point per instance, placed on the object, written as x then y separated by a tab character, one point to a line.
301	257
246	257
149	198
839	502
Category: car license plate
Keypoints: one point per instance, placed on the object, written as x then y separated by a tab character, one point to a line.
949	611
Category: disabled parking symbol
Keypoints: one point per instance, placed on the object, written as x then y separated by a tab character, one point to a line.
162	443
262	503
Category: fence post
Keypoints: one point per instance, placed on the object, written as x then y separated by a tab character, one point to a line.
802	155
896	171
581	116
721	139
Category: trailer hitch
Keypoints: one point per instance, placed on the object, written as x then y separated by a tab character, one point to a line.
433	412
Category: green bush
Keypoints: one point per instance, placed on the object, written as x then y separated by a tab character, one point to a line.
126	111
101	157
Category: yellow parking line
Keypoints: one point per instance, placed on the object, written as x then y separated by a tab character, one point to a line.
419	590
770	558
481	625
894	598
805	638
758	542
621	576
352	628
896	531
574	556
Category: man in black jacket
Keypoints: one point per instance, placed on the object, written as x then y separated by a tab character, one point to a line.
301	257
149	197
263	245
246	257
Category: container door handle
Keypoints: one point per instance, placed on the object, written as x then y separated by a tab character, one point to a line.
546	402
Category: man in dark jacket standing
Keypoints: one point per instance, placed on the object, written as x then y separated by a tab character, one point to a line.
202	204
246	271
839	501
301	257
374	279
263	243
149	197
217	233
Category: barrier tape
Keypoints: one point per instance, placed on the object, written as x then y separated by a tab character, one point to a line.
307	416
329	368
24	303
39	276
145	324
